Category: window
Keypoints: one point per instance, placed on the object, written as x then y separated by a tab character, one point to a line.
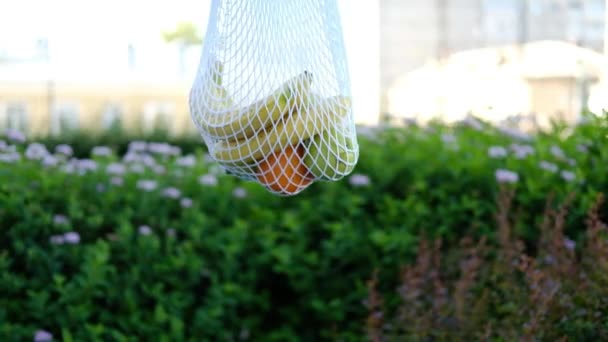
65	118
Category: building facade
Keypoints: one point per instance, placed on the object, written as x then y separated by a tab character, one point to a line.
414	32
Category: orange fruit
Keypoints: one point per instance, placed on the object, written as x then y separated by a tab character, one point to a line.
284	171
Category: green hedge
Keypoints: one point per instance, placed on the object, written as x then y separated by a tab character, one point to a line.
228	260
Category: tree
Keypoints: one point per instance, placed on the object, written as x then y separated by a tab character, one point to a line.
185	35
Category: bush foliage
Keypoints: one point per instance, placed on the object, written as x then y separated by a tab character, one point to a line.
501	292
116	239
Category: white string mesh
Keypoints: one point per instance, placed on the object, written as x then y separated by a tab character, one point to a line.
271	97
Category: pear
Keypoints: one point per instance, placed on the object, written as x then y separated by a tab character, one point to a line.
330	155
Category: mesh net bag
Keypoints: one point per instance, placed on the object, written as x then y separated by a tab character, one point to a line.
271	97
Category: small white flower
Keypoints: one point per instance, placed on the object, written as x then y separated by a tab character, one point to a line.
14	135
117	181
186	202
171	232
144	230
64	149
569	244
142	158
497	152
473	123
72	238
571	162
359	180
239	192
208	180
163	149
156	147
36	151
557	152
506	176
186	161
137	146
10	157
3	145
175	151
514	133
42	336
49	160
116	169
171	192
568	175
100	187
60	219
146	184
547	166
85	165
131	157
147	160
101	151
448	138
522	151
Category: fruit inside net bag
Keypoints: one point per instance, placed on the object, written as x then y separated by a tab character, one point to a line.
271	97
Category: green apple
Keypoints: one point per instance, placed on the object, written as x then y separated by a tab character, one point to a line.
330	155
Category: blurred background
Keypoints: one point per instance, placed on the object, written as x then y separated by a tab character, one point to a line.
116	222
70	65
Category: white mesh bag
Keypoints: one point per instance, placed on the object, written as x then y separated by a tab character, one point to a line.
271	97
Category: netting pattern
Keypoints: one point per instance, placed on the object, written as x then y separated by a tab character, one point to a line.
271	97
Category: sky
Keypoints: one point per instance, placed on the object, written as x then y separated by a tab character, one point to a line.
79	26
85	18
89	38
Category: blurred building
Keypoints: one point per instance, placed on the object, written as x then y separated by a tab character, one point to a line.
61	78
577	21
40	97
362	44
416	32
71	65
54	78
549	79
